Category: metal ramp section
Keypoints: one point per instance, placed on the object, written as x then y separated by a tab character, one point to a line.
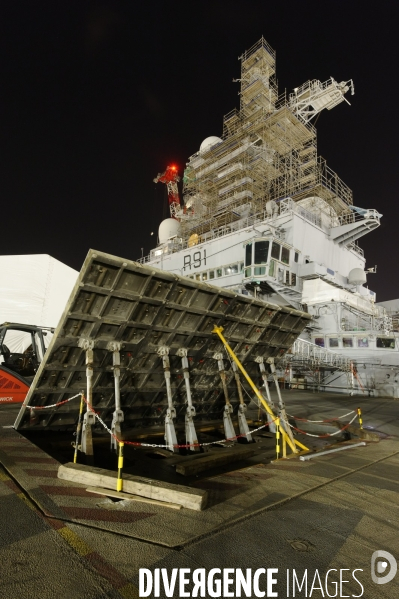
140	341
319	356
317	364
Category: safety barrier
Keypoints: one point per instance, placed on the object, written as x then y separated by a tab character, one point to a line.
276	421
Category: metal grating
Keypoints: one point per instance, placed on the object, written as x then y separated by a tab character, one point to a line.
144	308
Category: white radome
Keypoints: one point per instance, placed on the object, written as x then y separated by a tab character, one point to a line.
209	142
357	276
167	229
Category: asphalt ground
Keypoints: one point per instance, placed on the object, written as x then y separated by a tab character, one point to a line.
330	513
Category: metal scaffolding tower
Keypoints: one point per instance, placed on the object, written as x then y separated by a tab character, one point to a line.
267	152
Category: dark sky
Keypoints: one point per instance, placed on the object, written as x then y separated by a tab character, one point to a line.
97	97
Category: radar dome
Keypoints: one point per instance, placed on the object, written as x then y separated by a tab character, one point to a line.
208	143
167	229
357	276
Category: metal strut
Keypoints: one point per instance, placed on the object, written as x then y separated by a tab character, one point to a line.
260	361
191	435
89	418
118	415
228	408
286	438
242	408
281	411
170	433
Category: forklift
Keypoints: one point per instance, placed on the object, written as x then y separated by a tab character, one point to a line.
22	348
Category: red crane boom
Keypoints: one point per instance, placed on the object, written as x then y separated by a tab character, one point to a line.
171	178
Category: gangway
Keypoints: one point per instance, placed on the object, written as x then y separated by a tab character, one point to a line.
309	366
314	355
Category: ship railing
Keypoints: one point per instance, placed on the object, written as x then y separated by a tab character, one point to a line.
354	246
144	259
355	217
285	205
329	179
262	43
317	356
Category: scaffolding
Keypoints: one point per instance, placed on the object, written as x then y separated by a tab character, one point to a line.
267	152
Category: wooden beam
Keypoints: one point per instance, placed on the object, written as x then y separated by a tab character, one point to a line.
193	499
122	495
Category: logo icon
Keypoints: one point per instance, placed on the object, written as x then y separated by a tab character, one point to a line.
379	564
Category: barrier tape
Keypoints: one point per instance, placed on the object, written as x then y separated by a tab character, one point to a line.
187	445
326	435
320	421
259	404
54	405
183	445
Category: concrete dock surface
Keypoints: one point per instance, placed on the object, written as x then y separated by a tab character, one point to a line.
329	513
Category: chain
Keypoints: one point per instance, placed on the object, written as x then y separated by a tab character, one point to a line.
54	405
326	435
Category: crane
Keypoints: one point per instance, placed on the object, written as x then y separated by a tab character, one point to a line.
171	178
313	96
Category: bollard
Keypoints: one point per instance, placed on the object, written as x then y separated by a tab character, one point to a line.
119	483
79	429
277	438
359	413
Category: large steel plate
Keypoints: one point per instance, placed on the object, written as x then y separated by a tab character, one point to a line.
144	308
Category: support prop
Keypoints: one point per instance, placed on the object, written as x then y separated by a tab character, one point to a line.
118	415
170	433
218	331
79	430
281	407
89	418
191	435
242	408
228	408
260	361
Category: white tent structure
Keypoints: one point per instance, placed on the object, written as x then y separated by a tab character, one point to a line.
34	289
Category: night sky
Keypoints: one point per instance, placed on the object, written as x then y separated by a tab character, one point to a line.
98	97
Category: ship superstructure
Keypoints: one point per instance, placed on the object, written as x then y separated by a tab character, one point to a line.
264	215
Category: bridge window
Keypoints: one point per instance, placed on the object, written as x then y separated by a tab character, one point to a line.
271	268
276	250
248	254
211	274
261	252
18	342
293	279
319	341
362	342
219	272
204	276
385	343
333	341
287	277
231	270
296	257
347	342
285	255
